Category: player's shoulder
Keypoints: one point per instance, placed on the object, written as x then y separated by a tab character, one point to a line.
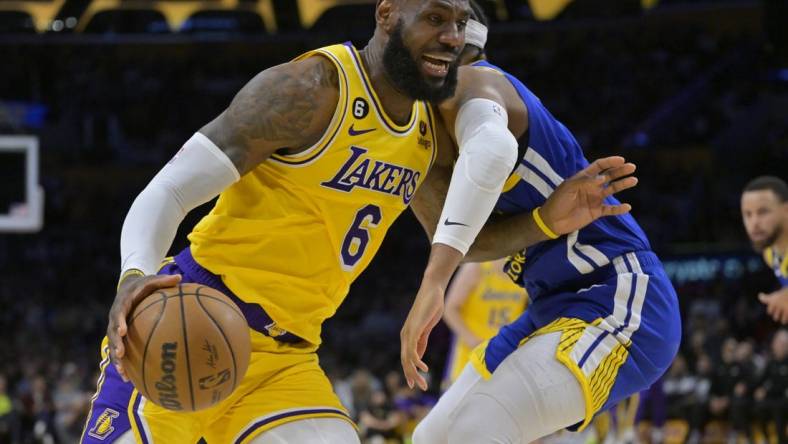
480	77
314	72
471	83
285	108
483	82
313	79
475	81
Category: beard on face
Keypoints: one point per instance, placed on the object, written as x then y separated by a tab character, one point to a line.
759	246
403	71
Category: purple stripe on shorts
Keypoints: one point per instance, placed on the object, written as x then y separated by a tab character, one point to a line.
255	315
138	420
109	417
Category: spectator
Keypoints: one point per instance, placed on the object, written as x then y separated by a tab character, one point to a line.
380	421
8	426
771	394
680	389
71	404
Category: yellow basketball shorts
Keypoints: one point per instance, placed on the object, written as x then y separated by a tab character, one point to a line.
284	383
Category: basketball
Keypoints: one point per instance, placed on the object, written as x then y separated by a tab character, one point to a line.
187	347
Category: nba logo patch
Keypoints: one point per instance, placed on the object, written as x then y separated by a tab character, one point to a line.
422	128
103	425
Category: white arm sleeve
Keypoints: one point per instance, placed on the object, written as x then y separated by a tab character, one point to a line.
488	153
197	174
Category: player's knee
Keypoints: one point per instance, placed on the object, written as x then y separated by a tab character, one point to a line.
431	430
125	438
337	431
481	419
323	430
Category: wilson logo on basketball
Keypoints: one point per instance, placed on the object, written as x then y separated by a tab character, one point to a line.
168	393
187	347
209	382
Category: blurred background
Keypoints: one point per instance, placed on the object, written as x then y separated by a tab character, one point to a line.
694	92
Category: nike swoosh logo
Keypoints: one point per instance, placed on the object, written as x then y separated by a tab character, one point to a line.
447	222
354	132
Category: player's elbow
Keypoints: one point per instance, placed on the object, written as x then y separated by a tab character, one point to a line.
491	154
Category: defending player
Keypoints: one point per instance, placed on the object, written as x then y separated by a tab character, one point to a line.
480	300
764	210
603	322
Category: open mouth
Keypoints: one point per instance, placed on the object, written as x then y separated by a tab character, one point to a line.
436	66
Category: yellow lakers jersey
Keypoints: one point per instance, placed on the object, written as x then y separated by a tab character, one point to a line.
293	233
493	303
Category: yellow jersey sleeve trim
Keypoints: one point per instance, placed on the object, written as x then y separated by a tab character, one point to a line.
784	265
379	110
477	360
337	120
513	180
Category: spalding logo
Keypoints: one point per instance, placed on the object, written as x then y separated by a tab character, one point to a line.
103	425
168	393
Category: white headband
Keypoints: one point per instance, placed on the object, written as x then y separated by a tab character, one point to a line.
475	34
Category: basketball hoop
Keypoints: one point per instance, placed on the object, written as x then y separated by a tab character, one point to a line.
22	211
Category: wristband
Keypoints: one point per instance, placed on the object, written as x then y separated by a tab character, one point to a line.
543	226
128	273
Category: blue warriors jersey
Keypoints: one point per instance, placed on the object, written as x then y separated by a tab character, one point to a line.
551	155
600	287
778	263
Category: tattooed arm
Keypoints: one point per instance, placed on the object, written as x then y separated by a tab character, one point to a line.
287	107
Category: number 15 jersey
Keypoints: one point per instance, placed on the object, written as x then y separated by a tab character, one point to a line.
293	233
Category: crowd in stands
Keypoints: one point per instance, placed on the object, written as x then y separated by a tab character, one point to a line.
116	113
722	389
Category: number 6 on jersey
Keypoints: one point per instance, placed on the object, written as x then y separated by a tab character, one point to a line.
357	236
